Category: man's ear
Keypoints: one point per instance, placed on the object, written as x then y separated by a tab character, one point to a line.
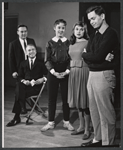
103	16
17	32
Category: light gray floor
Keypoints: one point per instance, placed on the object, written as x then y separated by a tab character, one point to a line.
30	136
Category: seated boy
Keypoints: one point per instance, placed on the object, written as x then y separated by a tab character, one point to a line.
31	77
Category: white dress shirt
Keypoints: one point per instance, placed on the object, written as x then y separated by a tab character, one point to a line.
22	44
32	60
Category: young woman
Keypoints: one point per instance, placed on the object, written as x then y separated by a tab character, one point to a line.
78	77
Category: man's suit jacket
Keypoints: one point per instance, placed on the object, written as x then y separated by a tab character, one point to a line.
16	54
38	70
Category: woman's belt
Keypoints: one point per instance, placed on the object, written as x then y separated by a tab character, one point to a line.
77	63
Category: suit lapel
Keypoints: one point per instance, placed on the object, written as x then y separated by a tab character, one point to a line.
20	48
28	41
27	64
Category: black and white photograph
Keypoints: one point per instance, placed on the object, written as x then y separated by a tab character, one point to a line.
61	74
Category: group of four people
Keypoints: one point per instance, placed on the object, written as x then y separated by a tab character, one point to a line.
83	67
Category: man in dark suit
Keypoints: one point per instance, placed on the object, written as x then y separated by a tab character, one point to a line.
30	79
17	54
17	49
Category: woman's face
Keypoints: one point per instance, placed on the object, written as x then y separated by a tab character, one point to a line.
60	30
79	31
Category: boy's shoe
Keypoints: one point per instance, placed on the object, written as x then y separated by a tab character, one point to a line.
68	126
48	126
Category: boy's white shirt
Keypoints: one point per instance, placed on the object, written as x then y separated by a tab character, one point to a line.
32	60
63	39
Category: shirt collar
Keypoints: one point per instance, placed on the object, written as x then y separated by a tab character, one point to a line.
32	59
21	40
103	28
56	39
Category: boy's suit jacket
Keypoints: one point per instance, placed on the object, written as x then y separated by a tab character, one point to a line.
38	70
16	54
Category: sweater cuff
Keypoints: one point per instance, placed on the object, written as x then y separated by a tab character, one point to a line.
67	71
52	71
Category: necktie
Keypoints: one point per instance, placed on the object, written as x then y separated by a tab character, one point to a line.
25	50
24	44
31	64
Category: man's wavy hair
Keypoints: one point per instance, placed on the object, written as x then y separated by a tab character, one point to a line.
85	36
98	10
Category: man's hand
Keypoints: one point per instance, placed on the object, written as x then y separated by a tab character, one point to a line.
109	57
26	82
84	50
15	75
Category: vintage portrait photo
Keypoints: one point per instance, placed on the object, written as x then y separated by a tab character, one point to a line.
61	74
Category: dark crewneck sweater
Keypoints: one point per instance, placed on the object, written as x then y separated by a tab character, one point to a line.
98	47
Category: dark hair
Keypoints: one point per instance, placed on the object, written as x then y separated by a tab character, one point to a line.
98	10
22	25
60	21
85	36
